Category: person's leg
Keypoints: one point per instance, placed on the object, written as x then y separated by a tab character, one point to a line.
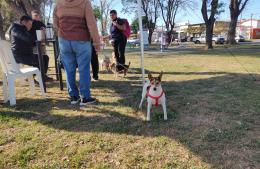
94	63
69	61
117	54
122	45
116	50
46	63
35	62
83	53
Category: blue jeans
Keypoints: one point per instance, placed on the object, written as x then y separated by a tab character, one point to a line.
76	54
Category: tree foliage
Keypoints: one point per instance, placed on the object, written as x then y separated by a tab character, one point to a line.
220	27
101	11
11	10
169	10
135	24
150	9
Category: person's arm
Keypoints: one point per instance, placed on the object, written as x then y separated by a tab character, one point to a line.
42	25
19	34
106	37
92	25
119	25
55	19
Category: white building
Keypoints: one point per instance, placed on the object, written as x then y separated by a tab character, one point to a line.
249	28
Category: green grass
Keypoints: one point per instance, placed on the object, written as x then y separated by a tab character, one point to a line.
213	103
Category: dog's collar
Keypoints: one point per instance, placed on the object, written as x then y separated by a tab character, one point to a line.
156	98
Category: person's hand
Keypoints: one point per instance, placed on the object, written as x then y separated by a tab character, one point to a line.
115	23
43	28
106	37
97	47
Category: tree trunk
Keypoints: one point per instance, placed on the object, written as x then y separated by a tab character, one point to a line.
209	21
2	33
232	31
235	7
169	34
150	36
209	35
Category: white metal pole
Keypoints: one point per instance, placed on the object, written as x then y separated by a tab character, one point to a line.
141	38
251	30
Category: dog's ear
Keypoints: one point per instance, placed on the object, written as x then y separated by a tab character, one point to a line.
150	76
160	76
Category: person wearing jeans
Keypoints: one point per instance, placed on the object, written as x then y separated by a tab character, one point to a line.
75	53
76	25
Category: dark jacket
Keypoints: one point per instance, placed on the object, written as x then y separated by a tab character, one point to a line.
21	42
36	25
114	31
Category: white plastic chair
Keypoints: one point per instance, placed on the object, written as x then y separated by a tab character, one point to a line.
12	71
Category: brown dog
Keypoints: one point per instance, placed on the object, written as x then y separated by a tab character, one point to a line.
114	64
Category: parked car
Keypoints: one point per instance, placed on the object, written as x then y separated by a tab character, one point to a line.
199	40
240	38
215	39
133	42
218	40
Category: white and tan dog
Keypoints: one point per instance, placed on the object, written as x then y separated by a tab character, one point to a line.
153	92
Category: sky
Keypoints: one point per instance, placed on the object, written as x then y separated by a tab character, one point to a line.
194	16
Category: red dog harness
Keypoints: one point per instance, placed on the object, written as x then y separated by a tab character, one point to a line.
156	98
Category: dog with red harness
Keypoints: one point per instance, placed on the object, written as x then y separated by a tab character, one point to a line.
155	95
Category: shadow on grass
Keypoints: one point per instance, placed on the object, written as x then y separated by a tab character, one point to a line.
211	116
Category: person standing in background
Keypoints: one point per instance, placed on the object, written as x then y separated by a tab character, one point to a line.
76	26
37	24
118	38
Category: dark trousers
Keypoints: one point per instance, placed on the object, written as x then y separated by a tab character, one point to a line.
94	63
119	49
33	61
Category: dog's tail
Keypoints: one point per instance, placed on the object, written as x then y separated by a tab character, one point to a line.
129	64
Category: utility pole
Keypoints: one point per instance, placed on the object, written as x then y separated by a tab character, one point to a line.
251	30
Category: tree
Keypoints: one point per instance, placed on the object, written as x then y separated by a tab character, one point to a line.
151	13
220	27
135	24
1	23
101	11
11	10
236	7
169	10
6	18
195	30
97	12
209	16
24	7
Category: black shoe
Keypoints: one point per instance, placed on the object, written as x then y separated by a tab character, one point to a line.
48	79
88	101
74	100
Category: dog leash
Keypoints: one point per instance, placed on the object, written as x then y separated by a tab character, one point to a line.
124	66
236	59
